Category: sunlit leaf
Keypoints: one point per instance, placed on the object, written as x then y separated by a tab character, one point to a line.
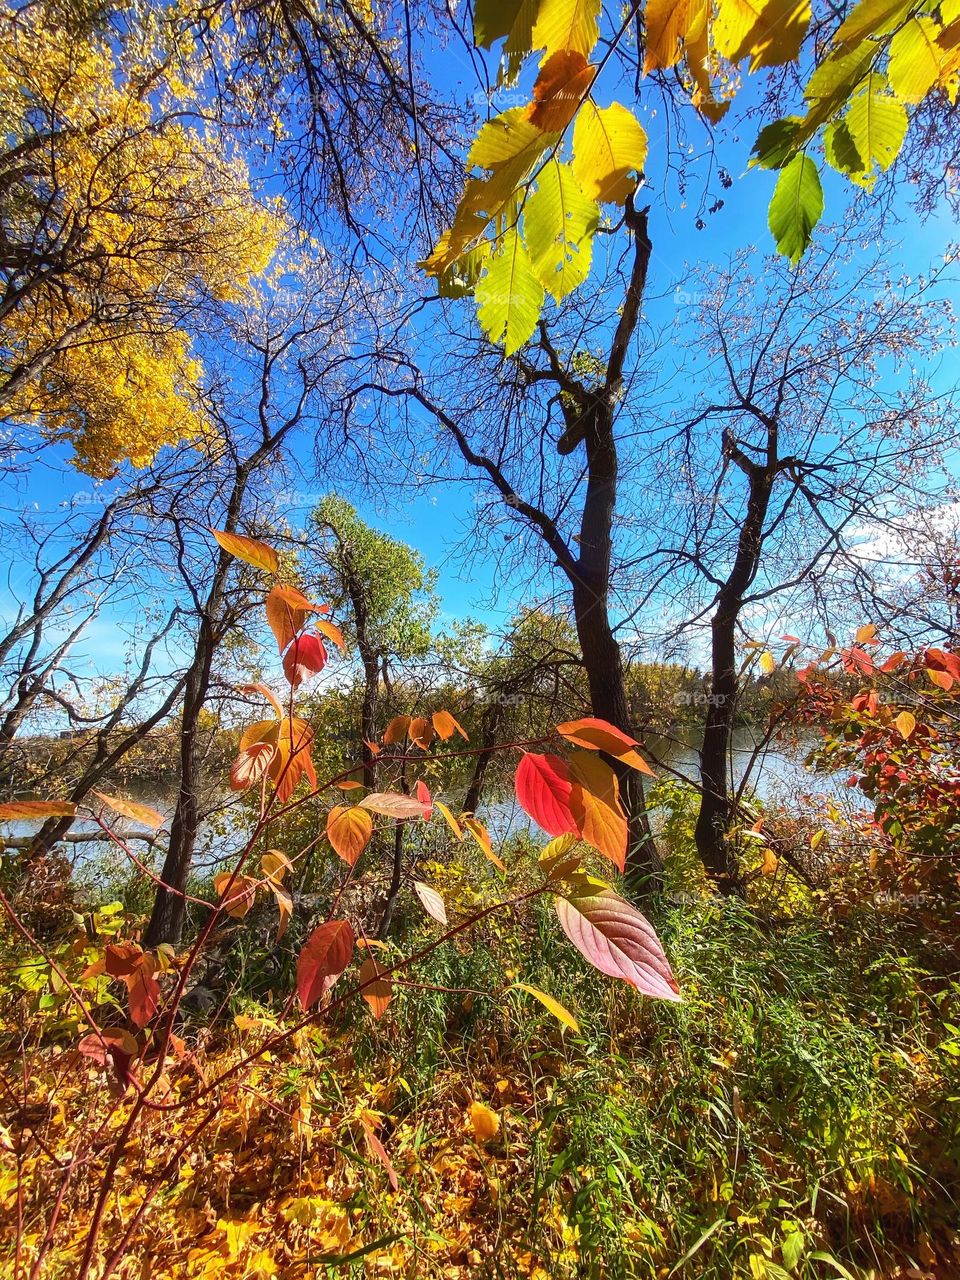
130	809
668	24
349	829
426	801
482	837
448	818
769	32
543	789
563	82
248	549
379	1152
595	805
616	939
237	897
600	735
906	722
446	726
549	1003
376	988
305	657
796	207
509	296
420	732
332	632
566	24
431	901
287	613
609	148
559	222
393	804
396	730
878	125
484	1122
251	765
323	959
36	810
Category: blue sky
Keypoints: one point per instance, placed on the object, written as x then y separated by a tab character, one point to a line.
434	523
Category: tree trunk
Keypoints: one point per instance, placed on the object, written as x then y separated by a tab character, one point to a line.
489	732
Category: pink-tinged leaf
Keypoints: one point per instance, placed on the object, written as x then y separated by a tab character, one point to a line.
423	795
36	810
393	804
543	791
332	632
305	657
376	988
248	549
616	939
379	1152
446	726
600	735
251	764
430	900
349	829
324	957
136	812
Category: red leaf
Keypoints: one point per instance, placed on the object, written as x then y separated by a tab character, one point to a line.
616	939
305	657
324	957
144	991
543	791
423	795
114	1049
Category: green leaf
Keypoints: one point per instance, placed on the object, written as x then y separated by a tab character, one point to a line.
509	297
609	146
777	142
840	149
559	222
796	207
915	59
878	125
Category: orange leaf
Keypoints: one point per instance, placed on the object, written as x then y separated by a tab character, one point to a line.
128	809
446	726
376	990
262	689
239	896
564	81
600	735
396	730
349	829
250	765
484	1122
332	632
866	634
482	837
420	732
30	810
248	549
287	611
595	804
324	957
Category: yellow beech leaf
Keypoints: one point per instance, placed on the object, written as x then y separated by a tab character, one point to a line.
668	23
484	1122
816	840
549	1003
769	32
770	862
509	296
482	837
248	549
915	59
768	663
609	148
566	24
